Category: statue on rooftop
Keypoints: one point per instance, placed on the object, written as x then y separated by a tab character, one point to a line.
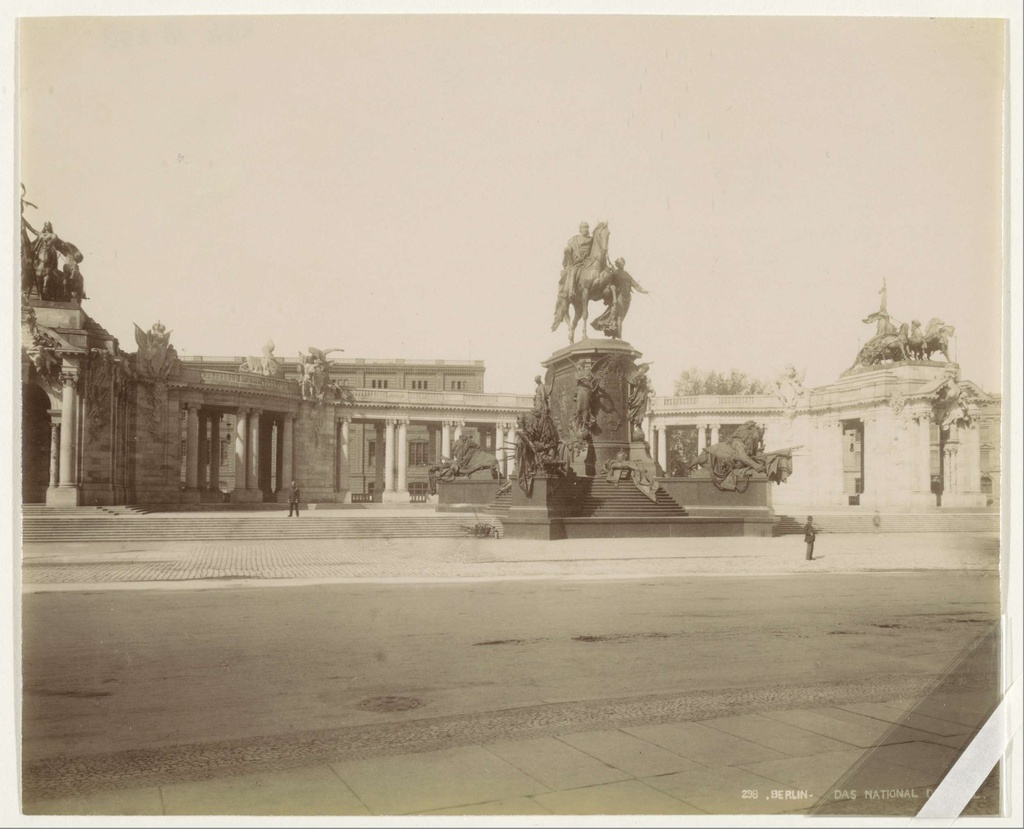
156	357
314	368
789	387
39	262
267	365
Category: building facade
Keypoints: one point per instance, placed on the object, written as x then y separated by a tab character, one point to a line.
103	426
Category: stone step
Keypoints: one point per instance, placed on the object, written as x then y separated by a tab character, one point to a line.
890	523
118	528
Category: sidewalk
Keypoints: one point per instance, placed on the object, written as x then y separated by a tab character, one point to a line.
871	758
217	564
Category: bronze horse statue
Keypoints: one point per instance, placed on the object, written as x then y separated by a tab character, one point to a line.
594	278
922	344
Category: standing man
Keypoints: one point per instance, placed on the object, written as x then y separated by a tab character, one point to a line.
809	536
293	499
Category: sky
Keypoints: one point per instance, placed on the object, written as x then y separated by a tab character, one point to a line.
403	187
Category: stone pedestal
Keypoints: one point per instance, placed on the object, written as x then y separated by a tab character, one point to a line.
466	495
638	452
611	362
538	515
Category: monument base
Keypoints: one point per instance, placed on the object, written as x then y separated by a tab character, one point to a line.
539	514
465	494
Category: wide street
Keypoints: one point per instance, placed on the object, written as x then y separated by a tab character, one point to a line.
134	686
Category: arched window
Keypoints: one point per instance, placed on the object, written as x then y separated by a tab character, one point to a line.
986	485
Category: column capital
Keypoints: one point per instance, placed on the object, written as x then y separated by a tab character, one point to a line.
69	378
242	411
402	421
391	422
343	419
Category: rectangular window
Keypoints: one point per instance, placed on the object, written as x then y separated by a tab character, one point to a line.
418	450
458	385
371	453
378	384
986	459
418	384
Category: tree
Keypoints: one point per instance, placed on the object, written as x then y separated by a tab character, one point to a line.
695	381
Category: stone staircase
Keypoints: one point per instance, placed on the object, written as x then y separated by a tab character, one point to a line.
89	525
43	511
596	498
905	522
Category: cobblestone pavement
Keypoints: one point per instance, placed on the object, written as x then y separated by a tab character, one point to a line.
53	566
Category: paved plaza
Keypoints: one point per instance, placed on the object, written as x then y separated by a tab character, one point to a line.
882	742
195	564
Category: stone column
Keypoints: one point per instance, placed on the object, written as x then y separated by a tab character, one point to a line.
511	456
458	428
287	462
214	452
663	448
389	455
68	413
702	437
871	441
446	439
254	449
499	446
54	453
203	460
714	434
923	453
240	450
970	478
192	447
403	456
344	473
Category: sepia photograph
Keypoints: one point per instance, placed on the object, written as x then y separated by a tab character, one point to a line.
528	417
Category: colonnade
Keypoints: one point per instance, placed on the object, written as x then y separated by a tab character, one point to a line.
656	434
396	449
252	445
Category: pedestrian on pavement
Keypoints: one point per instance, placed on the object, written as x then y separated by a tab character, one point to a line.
293	499
809	536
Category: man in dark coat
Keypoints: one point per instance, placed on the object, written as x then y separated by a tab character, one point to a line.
293	499
809	535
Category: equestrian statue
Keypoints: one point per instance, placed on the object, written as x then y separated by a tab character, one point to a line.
587	277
